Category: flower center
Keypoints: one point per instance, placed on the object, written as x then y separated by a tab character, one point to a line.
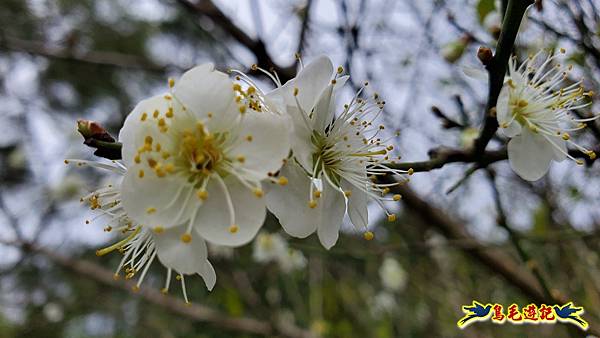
200	153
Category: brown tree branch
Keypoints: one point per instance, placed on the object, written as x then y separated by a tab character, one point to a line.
207	9
497	68
193	312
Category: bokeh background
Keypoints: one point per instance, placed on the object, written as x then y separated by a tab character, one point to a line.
94	59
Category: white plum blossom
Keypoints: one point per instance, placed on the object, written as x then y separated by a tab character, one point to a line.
392	275
336	159
196	157
535	112
272	247
140	246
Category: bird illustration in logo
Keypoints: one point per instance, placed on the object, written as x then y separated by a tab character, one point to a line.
570	314
474	313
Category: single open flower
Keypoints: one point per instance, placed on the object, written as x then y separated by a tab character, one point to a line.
140	246
336	159
535	112
197	155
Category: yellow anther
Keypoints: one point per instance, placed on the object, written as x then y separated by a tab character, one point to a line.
169	167
369	235
147	147
562	50
155	114
141	173
164	291
135	288
159	172
171	83
334	81
249	138
152	163
143	117
241	159
397	197
282	180
210	115
579	162
312	204
202	194
522	103
158	147
108	228
254	66
317	194
237	87
390	148
165	155
385	191
347	193
296	90
233	228
178	277
566	136
258	192
66	161
151	210
391	217
158	229
167	97
242	109
169	113
251	90
591	154
411	171
186	238
116	276
162	122
340	70
137	159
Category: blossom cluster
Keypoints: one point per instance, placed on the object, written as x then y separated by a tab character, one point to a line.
204	161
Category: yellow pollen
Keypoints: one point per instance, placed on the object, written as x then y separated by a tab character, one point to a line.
210	115
562	50
312	204
66	161
137	159
158	147
116	276
385	190
233	228
169	167
522	103
144	117
591	154
242	109
171	83
566	136
340	70
135	288
251	90
165	155
241	159
258	192
397	197
296	91
151	210
186	238
317	194
249	138
368	235
158	229
411	171
148	139
167	97
152	163
162	122
237	87
347	193
391	217
141	173
164	291
282	180
155	114
579	162
202	194
169	113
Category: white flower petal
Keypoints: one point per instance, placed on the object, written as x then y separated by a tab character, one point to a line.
185	258
310	81
213	218
332	207
134	130
323	113
204	90
508	126
268	146
301	143
208	274
530	155
357	205
154	201
289	203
